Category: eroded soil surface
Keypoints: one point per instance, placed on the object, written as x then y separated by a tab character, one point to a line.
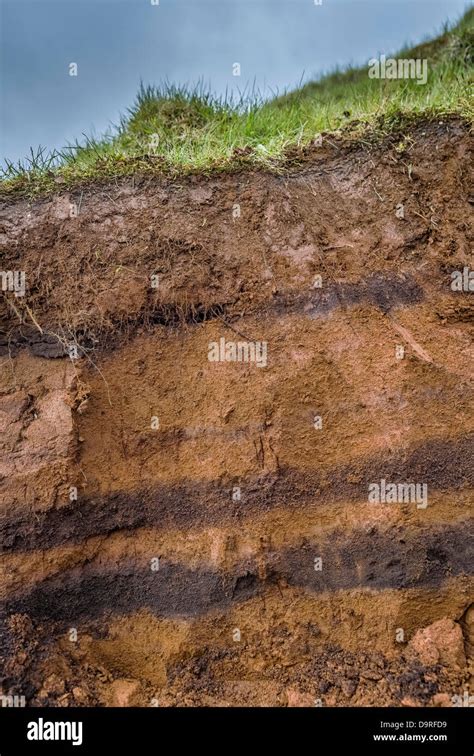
180	531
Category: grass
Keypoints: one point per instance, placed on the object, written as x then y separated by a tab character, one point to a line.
179	130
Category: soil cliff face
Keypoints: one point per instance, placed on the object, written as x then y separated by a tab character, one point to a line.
183	530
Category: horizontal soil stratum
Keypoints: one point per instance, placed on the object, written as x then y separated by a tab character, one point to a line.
182	531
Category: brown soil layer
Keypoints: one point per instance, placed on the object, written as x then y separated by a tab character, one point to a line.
238	613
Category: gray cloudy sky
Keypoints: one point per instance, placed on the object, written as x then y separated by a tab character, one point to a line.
115	43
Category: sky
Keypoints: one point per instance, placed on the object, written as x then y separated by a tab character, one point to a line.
117	43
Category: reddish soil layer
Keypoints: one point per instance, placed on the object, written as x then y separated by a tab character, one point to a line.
180	531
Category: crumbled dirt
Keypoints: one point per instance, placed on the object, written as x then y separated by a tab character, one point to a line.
178	531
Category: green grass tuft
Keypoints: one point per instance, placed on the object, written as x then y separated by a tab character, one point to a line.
174	129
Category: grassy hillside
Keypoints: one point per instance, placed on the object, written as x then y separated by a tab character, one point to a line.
172	129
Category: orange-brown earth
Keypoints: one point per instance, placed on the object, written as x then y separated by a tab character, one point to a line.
177	531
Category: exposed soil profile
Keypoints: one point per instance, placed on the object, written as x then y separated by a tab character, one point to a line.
179	530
